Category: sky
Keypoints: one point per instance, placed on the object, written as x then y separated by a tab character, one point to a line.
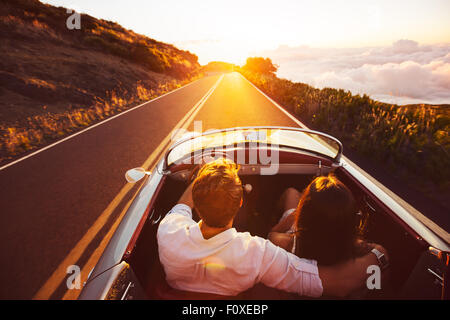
330	32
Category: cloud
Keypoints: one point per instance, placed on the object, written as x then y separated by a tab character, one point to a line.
405	72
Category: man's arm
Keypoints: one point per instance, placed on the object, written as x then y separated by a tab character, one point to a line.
285	271
340	280
186	198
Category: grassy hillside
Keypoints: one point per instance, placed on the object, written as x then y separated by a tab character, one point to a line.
411	141
218	66
53	80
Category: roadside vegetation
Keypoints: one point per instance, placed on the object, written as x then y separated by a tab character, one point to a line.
55	81
410	140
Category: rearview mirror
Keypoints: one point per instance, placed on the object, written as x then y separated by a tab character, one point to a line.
136	174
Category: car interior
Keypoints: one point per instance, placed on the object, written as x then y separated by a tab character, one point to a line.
405	248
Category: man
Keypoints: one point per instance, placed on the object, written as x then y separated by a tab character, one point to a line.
212	257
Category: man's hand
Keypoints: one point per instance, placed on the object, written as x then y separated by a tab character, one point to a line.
186	198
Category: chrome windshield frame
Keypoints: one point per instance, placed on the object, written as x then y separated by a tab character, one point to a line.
318	133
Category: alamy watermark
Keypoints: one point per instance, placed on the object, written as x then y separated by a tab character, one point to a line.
73	281
74	20
247	146
374	280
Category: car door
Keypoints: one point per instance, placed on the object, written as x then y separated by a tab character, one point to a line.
116	283
430	277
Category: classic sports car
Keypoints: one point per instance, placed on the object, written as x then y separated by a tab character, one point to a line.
271	159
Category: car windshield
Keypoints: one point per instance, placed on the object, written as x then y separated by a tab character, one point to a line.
302	139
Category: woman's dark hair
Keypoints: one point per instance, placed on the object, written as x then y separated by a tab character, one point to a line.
327	222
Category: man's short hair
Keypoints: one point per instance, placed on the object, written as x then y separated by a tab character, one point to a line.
217	192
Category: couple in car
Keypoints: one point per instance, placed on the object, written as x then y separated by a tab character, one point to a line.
314	250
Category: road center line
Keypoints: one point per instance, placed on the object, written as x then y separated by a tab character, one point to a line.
58	276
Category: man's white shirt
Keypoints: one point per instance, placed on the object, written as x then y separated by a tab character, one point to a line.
230	262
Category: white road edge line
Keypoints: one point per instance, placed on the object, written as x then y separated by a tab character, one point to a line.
276	104
58	276
93	126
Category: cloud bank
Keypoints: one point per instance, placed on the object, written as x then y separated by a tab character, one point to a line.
403	73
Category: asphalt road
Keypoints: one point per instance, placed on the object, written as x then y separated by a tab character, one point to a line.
50	201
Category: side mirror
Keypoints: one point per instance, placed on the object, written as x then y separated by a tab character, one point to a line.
136	174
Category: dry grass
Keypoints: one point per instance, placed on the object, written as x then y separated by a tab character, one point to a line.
45	128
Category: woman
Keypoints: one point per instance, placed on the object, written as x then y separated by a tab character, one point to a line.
322	224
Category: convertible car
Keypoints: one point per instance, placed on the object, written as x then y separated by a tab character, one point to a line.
271	159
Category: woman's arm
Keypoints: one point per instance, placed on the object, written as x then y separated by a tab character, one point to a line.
285	224
281	239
